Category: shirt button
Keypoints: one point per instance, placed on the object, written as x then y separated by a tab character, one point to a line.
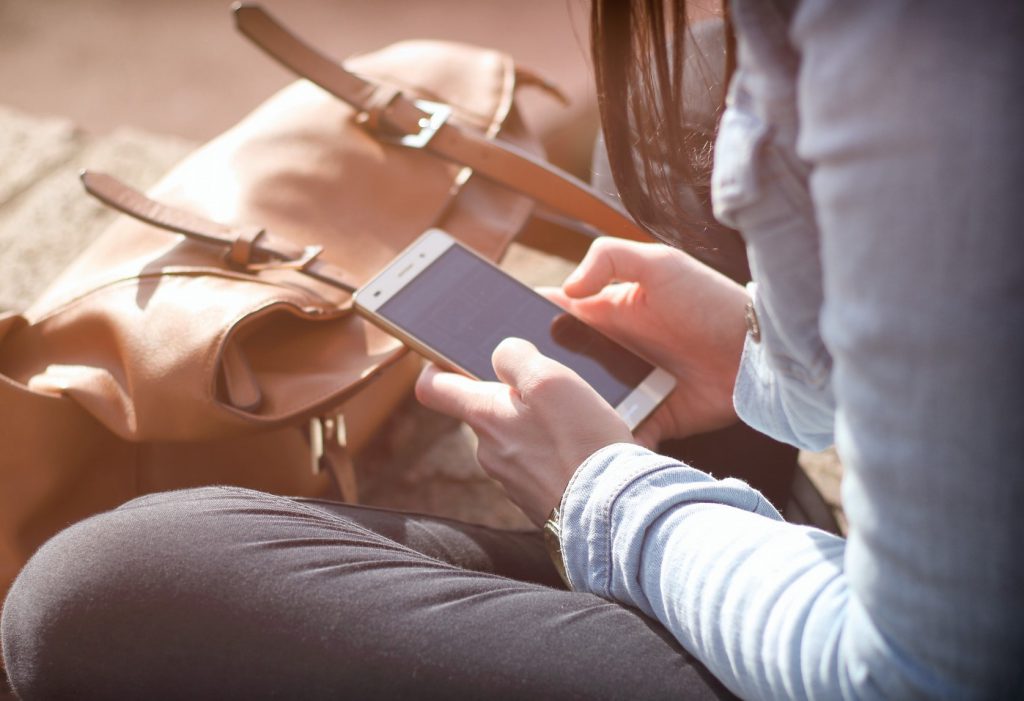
753	326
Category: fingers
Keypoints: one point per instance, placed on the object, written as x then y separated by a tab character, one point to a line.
576	307
458	396
603	311
554	294
534	376
520	365
521	369
610	260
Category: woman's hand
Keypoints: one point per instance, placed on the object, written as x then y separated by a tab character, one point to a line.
542	420
675	311
535	426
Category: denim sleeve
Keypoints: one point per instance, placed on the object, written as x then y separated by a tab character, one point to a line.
910	116
761	602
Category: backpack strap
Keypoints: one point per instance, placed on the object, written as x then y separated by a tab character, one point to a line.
247	248
425	125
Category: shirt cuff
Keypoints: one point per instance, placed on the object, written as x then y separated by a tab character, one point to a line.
773	403
613	500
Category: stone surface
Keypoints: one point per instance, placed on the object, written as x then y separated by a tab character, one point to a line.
46	218
32	147
426	462
534	268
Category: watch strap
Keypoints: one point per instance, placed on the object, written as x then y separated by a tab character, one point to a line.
553	542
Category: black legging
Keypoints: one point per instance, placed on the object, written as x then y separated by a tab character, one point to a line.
228	593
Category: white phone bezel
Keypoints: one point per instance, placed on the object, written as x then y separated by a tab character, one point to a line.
634	408
402	270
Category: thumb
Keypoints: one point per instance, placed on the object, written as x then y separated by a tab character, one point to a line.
515	362
555	295
609	260
519	364
588	309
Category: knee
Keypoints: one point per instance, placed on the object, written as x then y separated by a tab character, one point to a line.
87	584
48	605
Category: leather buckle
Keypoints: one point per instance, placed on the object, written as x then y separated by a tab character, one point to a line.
435	115
438	113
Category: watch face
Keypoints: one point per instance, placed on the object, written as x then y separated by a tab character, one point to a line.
551	540
554	547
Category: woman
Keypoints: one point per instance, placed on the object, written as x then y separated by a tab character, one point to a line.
869	154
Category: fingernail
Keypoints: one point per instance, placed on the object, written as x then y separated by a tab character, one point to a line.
519	344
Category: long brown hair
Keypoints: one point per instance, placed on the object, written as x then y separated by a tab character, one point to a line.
638	50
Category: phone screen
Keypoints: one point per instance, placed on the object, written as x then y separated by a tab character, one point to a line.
463	308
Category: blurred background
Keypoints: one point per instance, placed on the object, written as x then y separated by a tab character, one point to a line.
179	68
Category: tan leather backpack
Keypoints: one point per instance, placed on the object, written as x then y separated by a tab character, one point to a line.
209	338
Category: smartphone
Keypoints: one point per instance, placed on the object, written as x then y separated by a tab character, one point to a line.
455	307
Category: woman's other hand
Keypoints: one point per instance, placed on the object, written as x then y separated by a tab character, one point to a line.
675	311
535	426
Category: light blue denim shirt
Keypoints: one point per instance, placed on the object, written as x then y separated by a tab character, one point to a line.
871	154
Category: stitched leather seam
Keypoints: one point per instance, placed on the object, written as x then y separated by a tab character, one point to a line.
106	286
417	92
505	97
311	408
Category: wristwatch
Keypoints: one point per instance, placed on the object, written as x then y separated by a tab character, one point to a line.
553	542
